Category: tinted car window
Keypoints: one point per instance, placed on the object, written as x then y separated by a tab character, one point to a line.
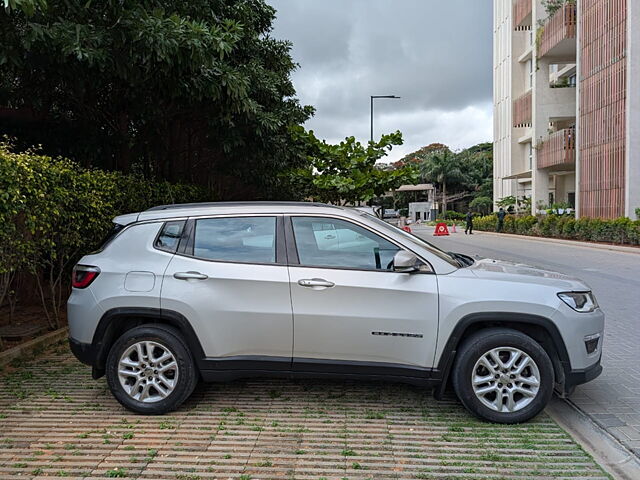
170	236
326	242
240	239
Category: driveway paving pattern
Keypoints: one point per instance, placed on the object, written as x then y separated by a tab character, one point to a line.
613	399
56	421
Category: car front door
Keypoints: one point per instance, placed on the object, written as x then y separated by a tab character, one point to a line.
351	311
231	283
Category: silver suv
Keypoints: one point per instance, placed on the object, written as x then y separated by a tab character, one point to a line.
220	291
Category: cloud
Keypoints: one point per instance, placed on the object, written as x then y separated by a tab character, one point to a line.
436	55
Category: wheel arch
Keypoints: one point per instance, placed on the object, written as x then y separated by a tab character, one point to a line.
540	328
116	321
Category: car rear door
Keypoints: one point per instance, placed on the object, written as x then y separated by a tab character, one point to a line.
352	312
230	281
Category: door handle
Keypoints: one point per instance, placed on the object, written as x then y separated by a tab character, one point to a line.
315	282
190	276
329	237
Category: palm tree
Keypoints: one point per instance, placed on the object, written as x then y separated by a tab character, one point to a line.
442	168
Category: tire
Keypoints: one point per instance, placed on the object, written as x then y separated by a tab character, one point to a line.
149	390
513	397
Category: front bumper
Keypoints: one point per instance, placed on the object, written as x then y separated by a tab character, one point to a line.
578	377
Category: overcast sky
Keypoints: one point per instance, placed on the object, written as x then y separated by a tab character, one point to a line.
435	54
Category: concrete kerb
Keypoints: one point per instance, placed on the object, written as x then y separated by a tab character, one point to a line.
614	457
29	347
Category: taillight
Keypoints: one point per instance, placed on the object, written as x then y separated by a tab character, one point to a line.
83	275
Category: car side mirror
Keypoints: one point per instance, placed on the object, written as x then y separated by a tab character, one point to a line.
405	262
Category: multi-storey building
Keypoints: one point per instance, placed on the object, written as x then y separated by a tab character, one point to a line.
567	104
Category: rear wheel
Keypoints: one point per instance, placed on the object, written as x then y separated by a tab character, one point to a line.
503	376
150	369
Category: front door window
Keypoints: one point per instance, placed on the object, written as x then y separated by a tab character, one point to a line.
328	242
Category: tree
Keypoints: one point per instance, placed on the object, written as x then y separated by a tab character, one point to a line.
552	6
195	91
477	166
482	204
473	169
420	155
442	168
346	173
28	7
508	201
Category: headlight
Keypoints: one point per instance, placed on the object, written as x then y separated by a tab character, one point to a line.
583	302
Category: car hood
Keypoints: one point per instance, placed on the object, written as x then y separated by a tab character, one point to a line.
519	272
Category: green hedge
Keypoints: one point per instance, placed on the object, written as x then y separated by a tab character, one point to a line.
52	211
619	230
453	215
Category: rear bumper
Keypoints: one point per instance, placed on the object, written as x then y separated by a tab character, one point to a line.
85	352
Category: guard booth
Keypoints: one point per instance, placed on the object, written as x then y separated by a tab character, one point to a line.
423	201
420	211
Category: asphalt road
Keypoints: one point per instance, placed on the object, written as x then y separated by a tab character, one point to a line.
613	399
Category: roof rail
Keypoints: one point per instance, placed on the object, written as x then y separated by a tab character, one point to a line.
236	204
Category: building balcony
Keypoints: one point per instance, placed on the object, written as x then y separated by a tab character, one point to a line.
522	10
522	110
558	152
558	37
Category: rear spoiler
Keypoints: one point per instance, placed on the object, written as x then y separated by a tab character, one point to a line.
126	219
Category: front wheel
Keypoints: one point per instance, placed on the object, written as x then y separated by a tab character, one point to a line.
503	376
150	369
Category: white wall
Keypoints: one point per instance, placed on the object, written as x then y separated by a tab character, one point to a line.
502	100
632	190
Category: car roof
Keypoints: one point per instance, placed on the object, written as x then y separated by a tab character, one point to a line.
216	205
180	210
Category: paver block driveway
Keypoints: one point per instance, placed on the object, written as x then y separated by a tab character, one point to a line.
56	421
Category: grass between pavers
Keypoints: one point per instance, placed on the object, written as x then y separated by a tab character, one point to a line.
56	421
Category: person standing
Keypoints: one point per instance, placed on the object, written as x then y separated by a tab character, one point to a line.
469	219
501	215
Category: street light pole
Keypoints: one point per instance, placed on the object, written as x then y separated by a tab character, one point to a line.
372	98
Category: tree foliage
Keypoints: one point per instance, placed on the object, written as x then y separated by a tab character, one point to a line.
195	91
420	155
482	204
442	167
347	172
552	6
477	166
464	174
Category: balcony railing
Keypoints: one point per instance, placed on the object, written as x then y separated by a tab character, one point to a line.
522	11
561	26
522	108
559	150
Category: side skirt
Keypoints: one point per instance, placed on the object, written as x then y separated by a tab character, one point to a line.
232	368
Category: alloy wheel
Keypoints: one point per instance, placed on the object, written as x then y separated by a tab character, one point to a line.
505	379
148	371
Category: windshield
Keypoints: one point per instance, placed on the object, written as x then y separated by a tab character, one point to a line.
415	239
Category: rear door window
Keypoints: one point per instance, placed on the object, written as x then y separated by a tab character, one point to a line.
236	239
